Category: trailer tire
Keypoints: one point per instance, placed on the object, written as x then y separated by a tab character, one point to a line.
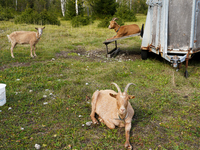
144	54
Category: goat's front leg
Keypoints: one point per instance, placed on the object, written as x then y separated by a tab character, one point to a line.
127	133
34	51
31	50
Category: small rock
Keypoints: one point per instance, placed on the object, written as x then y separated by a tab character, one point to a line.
18	79
37	146
89	123
44	96
80	116
22	128
86	83
45	103
9	108
30	91
83	125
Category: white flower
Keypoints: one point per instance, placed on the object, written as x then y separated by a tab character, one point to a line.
9	108
80	116
86	83
22	128
83	125
30	91
18	79
44	96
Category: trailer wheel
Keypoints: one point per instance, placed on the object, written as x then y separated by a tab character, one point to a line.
144	54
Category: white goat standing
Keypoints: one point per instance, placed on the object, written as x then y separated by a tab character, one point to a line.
25	37
113	109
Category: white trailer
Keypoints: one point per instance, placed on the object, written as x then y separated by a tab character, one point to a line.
172	30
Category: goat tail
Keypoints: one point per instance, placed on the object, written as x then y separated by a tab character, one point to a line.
9	40
142	31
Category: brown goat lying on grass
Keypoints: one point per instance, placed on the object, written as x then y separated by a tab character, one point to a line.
113	109
25	37
123	30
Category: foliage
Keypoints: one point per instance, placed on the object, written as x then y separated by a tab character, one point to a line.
106	21
140	6
6	13
71	9
29	16
104	8
81	21
125	13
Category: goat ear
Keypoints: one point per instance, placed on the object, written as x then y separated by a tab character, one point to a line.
36	28
43	28
113	95
131	96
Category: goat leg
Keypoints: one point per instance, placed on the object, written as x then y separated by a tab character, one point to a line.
127	132
34	51
31	50
11	49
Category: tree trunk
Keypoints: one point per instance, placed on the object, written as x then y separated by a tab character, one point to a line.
63	6
76	7
16	5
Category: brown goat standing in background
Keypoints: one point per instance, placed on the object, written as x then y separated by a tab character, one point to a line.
113	109
123	30
25	37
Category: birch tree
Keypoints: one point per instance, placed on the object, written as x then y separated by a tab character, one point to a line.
63	6
16	5
76	5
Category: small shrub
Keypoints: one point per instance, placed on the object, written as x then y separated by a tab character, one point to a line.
125	13
29	16
5	13
48	18
81	20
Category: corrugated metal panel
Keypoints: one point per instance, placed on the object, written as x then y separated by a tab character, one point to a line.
154	23
197	28
180	14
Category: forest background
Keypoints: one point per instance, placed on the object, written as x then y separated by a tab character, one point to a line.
80	12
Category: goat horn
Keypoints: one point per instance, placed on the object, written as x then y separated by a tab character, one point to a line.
127	86
119	91
114	19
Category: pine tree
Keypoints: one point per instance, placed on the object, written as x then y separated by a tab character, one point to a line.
104	8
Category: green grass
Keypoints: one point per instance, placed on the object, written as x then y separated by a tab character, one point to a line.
166	104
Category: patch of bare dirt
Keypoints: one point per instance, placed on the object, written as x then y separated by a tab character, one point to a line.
16	64
99	55
93	55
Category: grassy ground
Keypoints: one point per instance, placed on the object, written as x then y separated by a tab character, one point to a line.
48	97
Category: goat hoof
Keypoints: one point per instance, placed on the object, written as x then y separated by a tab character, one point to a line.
128	146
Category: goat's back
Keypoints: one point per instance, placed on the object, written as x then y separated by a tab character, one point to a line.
130	29
22	37
105	104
